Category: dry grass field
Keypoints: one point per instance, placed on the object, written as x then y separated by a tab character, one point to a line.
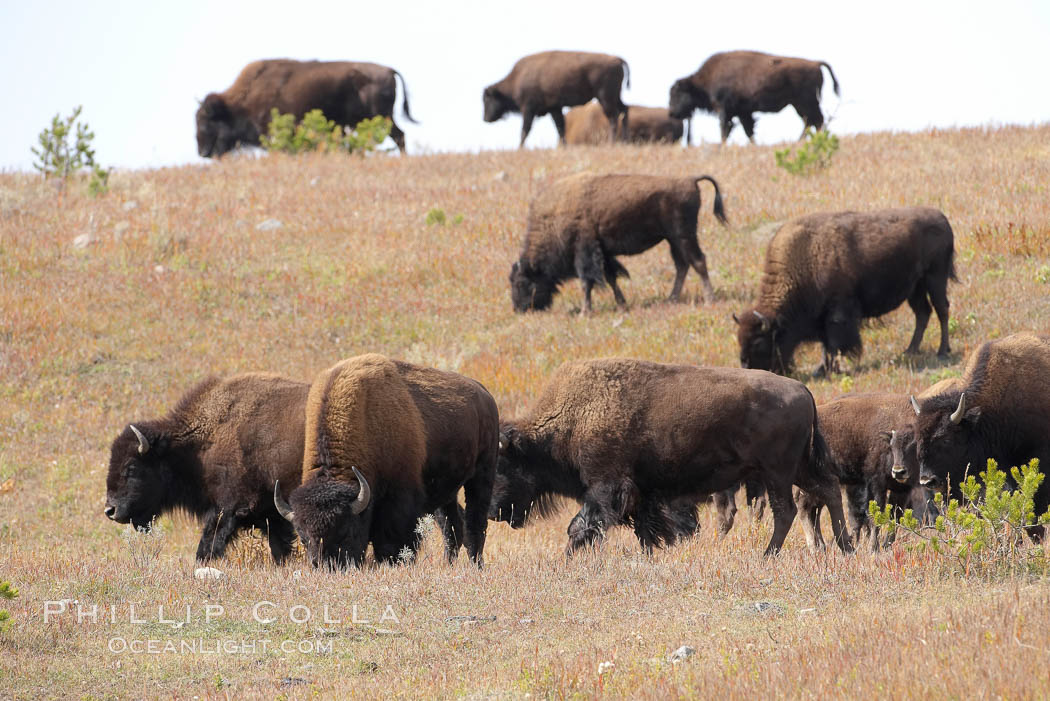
179	282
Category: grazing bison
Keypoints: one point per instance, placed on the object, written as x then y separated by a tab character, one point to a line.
626	437
740	83
826	272
579	224
217	455
347	92
902	438
546	82
586	126
386	443
999	409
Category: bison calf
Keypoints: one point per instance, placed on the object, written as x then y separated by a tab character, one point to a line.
579	224
217	455
385	443
627	437
826	272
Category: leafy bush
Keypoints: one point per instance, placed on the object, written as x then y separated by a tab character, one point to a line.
6	592
318	133
56	157
435	216
983	534
814	154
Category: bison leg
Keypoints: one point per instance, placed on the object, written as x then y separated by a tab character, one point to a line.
695	257
755	491
810	506
398	136
681	269
938	288
857	498
526	125
450	518
809	110
612	270
726	122
393	534
841	335
783	507
559	124
747	121
725	504
280	535
478	494
921	308
829	493
219	529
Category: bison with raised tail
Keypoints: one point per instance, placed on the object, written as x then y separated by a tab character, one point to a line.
217	455
824	273
347	92
586	126
386	443
999	409
629	437
579	224
736	84
546	82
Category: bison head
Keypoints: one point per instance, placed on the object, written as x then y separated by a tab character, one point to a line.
904	465
217	131
530	290
944	431
686	98
497	105
756	334
142	480
330	517
517	491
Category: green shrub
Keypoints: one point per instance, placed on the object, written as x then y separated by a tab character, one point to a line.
983	533
814	154
318	133
6	592
435	216
57	157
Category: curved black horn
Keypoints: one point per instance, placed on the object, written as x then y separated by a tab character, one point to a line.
364	496
283	507
143	443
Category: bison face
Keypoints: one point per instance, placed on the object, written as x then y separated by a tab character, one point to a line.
515	490
141	483
330	521
686	98
944	432
216	133
529	290
756	335
497	105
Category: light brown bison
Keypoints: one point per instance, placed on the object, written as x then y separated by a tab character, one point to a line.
347	92
999	409
217	455
740	83
586	126
386	443
546	82
631	438
826	272
579	224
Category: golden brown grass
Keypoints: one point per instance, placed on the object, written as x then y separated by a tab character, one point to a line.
182	285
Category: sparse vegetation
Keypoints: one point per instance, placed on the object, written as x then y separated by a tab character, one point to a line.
7	592
812	156
56	157
93	339
318	133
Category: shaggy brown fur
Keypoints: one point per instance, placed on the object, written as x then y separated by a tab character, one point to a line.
586	126
546	82
826	272
417	435
579	224
1001	410
626	437
217	455
740	83
347	92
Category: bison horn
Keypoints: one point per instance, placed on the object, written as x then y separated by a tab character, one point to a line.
736	319
957	415
915	405
364	496
893	438
143	443
283	507
762	320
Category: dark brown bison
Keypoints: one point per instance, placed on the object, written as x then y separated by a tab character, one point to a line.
740	83
586	126
626	437
826	272
546	82
386	443
347	92
999	409
217	455
579	224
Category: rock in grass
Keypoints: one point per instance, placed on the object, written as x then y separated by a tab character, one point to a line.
83	241
682	653
269	225
206	573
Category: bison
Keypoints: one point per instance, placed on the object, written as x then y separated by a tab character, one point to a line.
999	409
587	126
740	83
546	82
386	443
347	92
826	272
626	437
217	455
579	224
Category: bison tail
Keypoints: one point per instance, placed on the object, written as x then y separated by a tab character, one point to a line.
834	80
688	131
627	73
821	466
404	98
719	209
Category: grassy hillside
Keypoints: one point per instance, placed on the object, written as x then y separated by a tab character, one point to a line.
179	281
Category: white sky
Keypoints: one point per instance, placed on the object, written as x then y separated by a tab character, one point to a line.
138	67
